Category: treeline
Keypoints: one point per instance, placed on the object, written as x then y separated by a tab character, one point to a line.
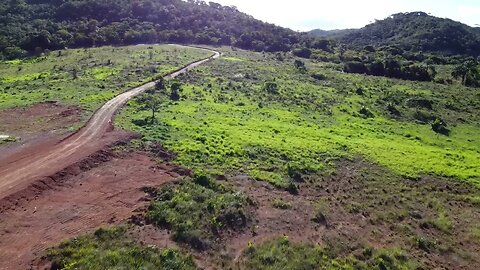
29	26
394	69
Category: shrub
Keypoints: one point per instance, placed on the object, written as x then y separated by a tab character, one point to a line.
281	204
319	217
318	76
425	244
302	52
423	117
299	65
281	253
111	248
198	210
271	87
365	112
439	126
355	67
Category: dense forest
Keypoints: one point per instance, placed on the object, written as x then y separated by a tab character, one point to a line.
36	25
404	45
417	32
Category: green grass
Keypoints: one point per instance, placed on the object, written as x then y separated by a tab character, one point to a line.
112	248
282	253
226	122
281	204
6	140
198	210
475	234
87	77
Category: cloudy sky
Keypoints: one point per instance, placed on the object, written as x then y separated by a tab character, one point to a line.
338	14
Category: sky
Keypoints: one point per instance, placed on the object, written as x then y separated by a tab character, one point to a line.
304	15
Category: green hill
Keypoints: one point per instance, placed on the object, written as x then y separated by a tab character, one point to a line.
34	25
418	31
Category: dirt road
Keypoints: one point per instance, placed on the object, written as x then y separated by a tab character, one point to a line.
19	170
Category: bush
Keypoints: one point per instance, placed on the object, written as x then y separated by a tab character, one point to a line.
281	253
111	248
14	52
319	218
198	210
299	65
175	91
423	117
302	52
425	244
271	87
439	126
281	204
319	77
365	112
355	67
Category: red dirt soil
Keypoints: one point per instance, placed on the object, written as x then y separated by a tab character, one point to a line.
41	117
103	189
41	123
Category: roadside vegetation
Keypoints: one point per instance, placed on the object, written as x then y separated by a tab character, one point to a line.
87	77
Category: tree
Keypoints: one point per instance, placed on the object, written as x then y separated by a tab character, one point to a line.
151	102
468	72
300	65
175	88
460	71
271	87
302	52
160	84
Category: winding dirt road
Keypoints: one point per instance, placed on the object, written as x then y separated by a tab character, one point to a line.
20	170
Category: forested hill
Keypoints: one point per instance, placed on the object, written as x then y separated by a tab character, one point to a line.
35	25
418	31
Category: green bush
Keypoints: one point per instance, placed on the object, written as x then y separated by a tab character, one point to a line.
283	254
111	248
198	210
439	126
281	204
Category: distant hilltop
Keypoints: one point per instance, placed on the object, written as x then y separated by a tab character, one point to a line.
412	31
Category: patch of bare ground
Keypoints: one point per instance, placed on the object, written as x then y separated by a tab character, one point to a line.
106	188
37	124
362	205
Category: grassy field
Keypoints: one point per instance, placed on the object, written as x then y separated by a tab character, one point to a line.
250	113
87	78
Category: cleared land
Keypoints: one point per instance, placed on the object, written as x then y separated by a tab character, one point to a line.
282	167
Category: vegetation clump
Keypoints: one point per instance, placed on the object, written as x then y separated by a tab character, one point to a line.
439	126
281	253
199	210
281	204
112	248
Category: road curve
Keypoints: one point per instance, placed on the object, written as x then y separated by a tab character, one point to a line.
18	173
